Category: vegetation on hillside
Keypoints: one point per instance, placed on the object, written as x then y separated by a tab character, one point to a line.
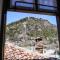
34	28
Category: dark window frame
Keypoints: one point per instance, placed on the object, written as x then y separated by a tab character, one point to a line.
6	8
35	8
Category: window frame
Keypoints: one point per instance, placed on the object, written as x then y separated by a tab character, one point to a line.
5	7
35	8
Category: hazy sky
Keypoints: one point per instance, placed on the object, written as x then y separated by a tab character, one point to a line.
15	16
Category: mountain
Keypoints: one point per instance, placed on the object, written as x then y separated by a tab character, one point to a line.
24	31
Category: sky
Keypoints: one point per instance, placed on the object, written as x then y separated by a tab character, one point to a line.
15	16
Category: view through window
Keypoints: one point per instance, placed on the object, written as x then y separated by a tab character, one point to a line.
30	36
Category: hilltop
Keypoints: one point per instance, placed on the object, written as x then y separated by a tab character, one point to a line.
24	31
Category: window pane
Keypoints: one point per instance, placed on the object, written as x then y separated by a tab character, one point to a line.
47	8
18	4
13	1
48	2
30	36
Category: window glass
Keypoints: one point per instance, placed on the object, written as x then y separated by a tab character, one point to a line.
30	36
18	4
13	1
48	2
47	8
42	4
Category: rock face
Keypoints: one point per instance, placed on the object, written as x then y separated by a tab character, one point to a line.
24	31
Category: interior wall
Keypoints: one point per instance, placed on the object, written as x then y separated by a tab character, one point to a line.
0	11
58	21
1	55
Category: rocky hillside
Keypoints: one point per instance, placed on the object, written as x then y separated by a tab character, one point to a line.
27	29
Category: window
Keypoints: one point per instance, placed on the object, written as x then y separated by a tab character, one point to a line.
28	1
47	4
23	3
29	35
